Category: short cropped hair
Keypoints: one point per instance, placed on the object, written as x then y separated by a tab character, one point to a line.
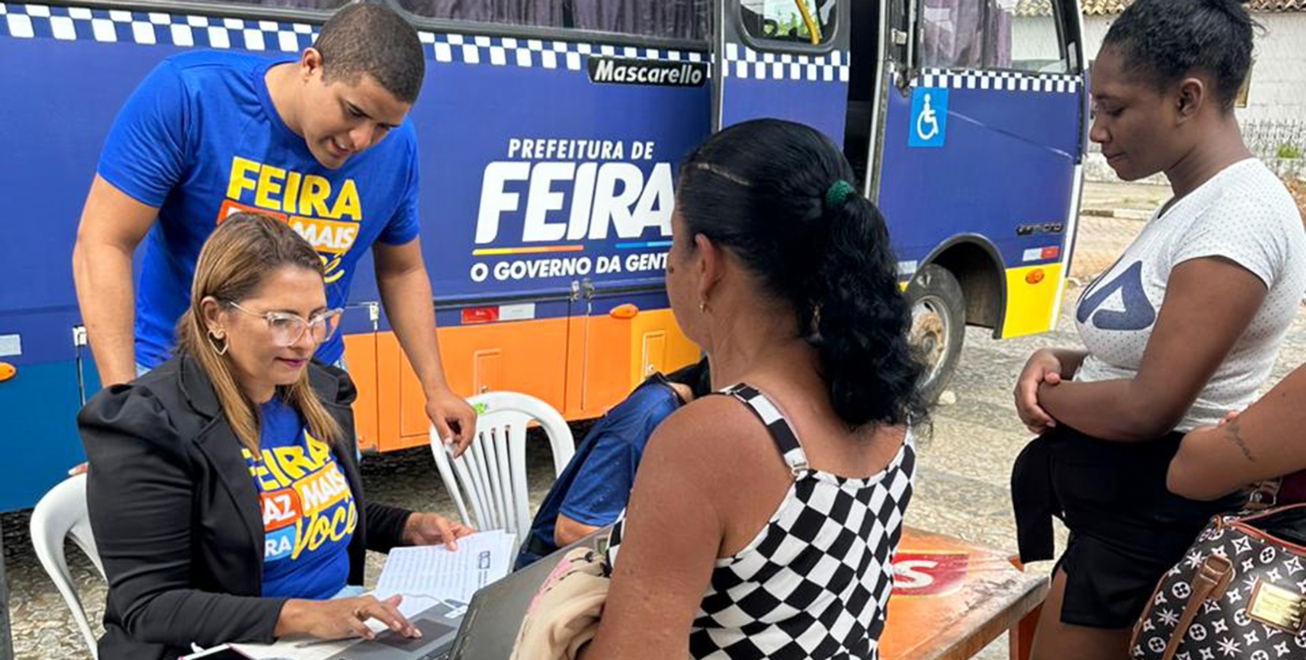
1167	40
365	38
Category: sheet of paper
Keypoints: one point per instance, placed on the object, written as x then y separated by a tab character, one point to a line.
299	648
435	572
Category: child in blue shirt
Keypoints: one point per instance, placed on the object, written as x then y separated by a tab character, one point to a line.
593	489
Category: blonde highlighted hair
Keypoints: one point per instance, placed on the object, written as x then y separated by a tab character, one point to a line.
233	263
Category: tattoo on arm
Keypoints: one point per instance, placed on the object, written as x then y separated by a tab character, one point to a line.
1231	433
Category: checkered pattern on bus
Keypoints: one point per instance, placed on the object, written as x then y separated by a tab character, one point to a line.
28	21
508	51
744	62
35	21
1011	81
816	581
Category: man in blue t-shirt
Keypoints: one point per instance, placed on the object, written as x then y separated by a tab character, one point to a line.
594	487
322	142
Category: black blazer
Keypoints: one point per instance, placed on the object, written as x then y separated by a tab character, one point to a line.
177	518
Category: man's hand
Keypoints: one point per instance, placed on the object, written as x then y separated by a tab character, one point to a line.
432	529
1042	367
454	419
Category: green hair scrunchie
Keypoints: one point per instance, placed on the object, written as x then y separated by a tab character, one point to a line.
838	194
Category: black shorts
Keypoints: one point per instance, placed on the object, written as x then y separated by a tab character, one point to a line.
1126	528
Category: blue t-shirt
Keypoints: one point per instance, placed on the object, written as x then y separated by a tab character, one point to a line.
308	509
595	486
200	140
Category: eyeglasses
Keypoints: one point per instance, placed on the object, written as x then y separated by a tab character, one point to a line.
287	329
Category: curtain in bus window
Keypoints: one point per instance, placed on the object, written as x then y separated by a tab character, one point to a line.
539	13
677	19
290	4
998	31
966	34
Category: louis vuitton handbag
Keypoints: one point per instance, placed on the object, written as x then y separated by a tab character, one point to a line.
1240	593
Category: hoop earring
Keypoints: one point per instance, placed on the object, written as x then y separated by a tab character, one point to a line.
213	342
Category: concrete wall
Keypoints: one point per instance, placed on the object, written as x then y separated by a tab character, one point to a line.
1032	37
1278	84
1276	100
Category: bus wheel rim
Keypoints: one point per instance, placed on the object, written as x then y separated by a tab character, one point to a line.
929	332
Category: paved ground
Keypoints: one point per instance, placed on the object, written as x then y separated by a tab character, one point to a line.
964	468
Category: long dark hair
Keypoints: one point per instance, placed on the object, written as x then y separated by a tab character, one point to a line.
776	194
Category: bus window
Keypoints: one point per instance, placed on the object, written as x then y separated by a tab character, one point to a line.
539	13
674	19
324	5
669	19
988	34
1035	45
795	21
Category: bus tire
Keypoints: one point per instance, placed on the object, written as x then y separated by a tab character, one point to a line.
938	328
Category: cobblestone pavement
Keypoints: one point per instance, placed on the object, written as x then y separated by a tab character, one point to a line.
962	486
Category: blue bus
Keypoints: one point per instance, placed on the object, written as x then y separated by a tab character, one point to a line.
550	133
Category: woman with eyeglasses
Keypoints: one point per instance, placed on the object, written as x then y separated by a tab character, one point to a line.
224	491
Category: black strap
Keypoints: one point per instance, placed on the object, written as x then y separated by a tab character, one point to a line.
782	434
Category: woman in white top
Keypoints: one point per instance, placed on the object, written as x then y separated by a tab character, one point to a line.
763	522
1183	328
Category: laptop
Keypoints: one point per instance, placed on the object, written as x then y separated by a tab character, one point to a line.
439	625
484	629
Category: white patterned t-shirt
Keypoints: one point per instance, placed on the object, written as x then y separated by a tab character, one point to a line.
1243	214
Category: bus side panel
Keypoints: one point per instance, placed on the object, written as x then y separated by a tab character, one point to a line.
1003	169
1031	293
623	350
805	93
361	358
506	212
535	178
607	360
59	98
484	99
38	404
523	356
660	345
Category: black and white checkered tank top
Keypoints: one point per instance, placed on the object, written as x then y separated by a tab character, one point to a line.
813	583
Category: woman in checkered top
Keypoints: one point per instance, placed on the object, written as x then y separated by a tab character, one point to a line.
762	522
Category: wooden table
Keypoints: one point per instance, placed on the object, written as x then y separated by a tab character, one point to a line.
951	599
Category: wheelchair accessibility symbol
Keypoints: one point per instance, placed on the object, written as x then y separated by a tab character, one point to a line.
929	117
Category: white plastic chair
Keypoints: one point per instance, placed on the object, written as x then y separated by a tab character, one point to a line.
492	471
62	513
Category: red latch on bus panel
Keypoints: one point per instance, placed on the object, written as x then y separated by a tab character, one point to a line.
474	315
7	371
626	311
